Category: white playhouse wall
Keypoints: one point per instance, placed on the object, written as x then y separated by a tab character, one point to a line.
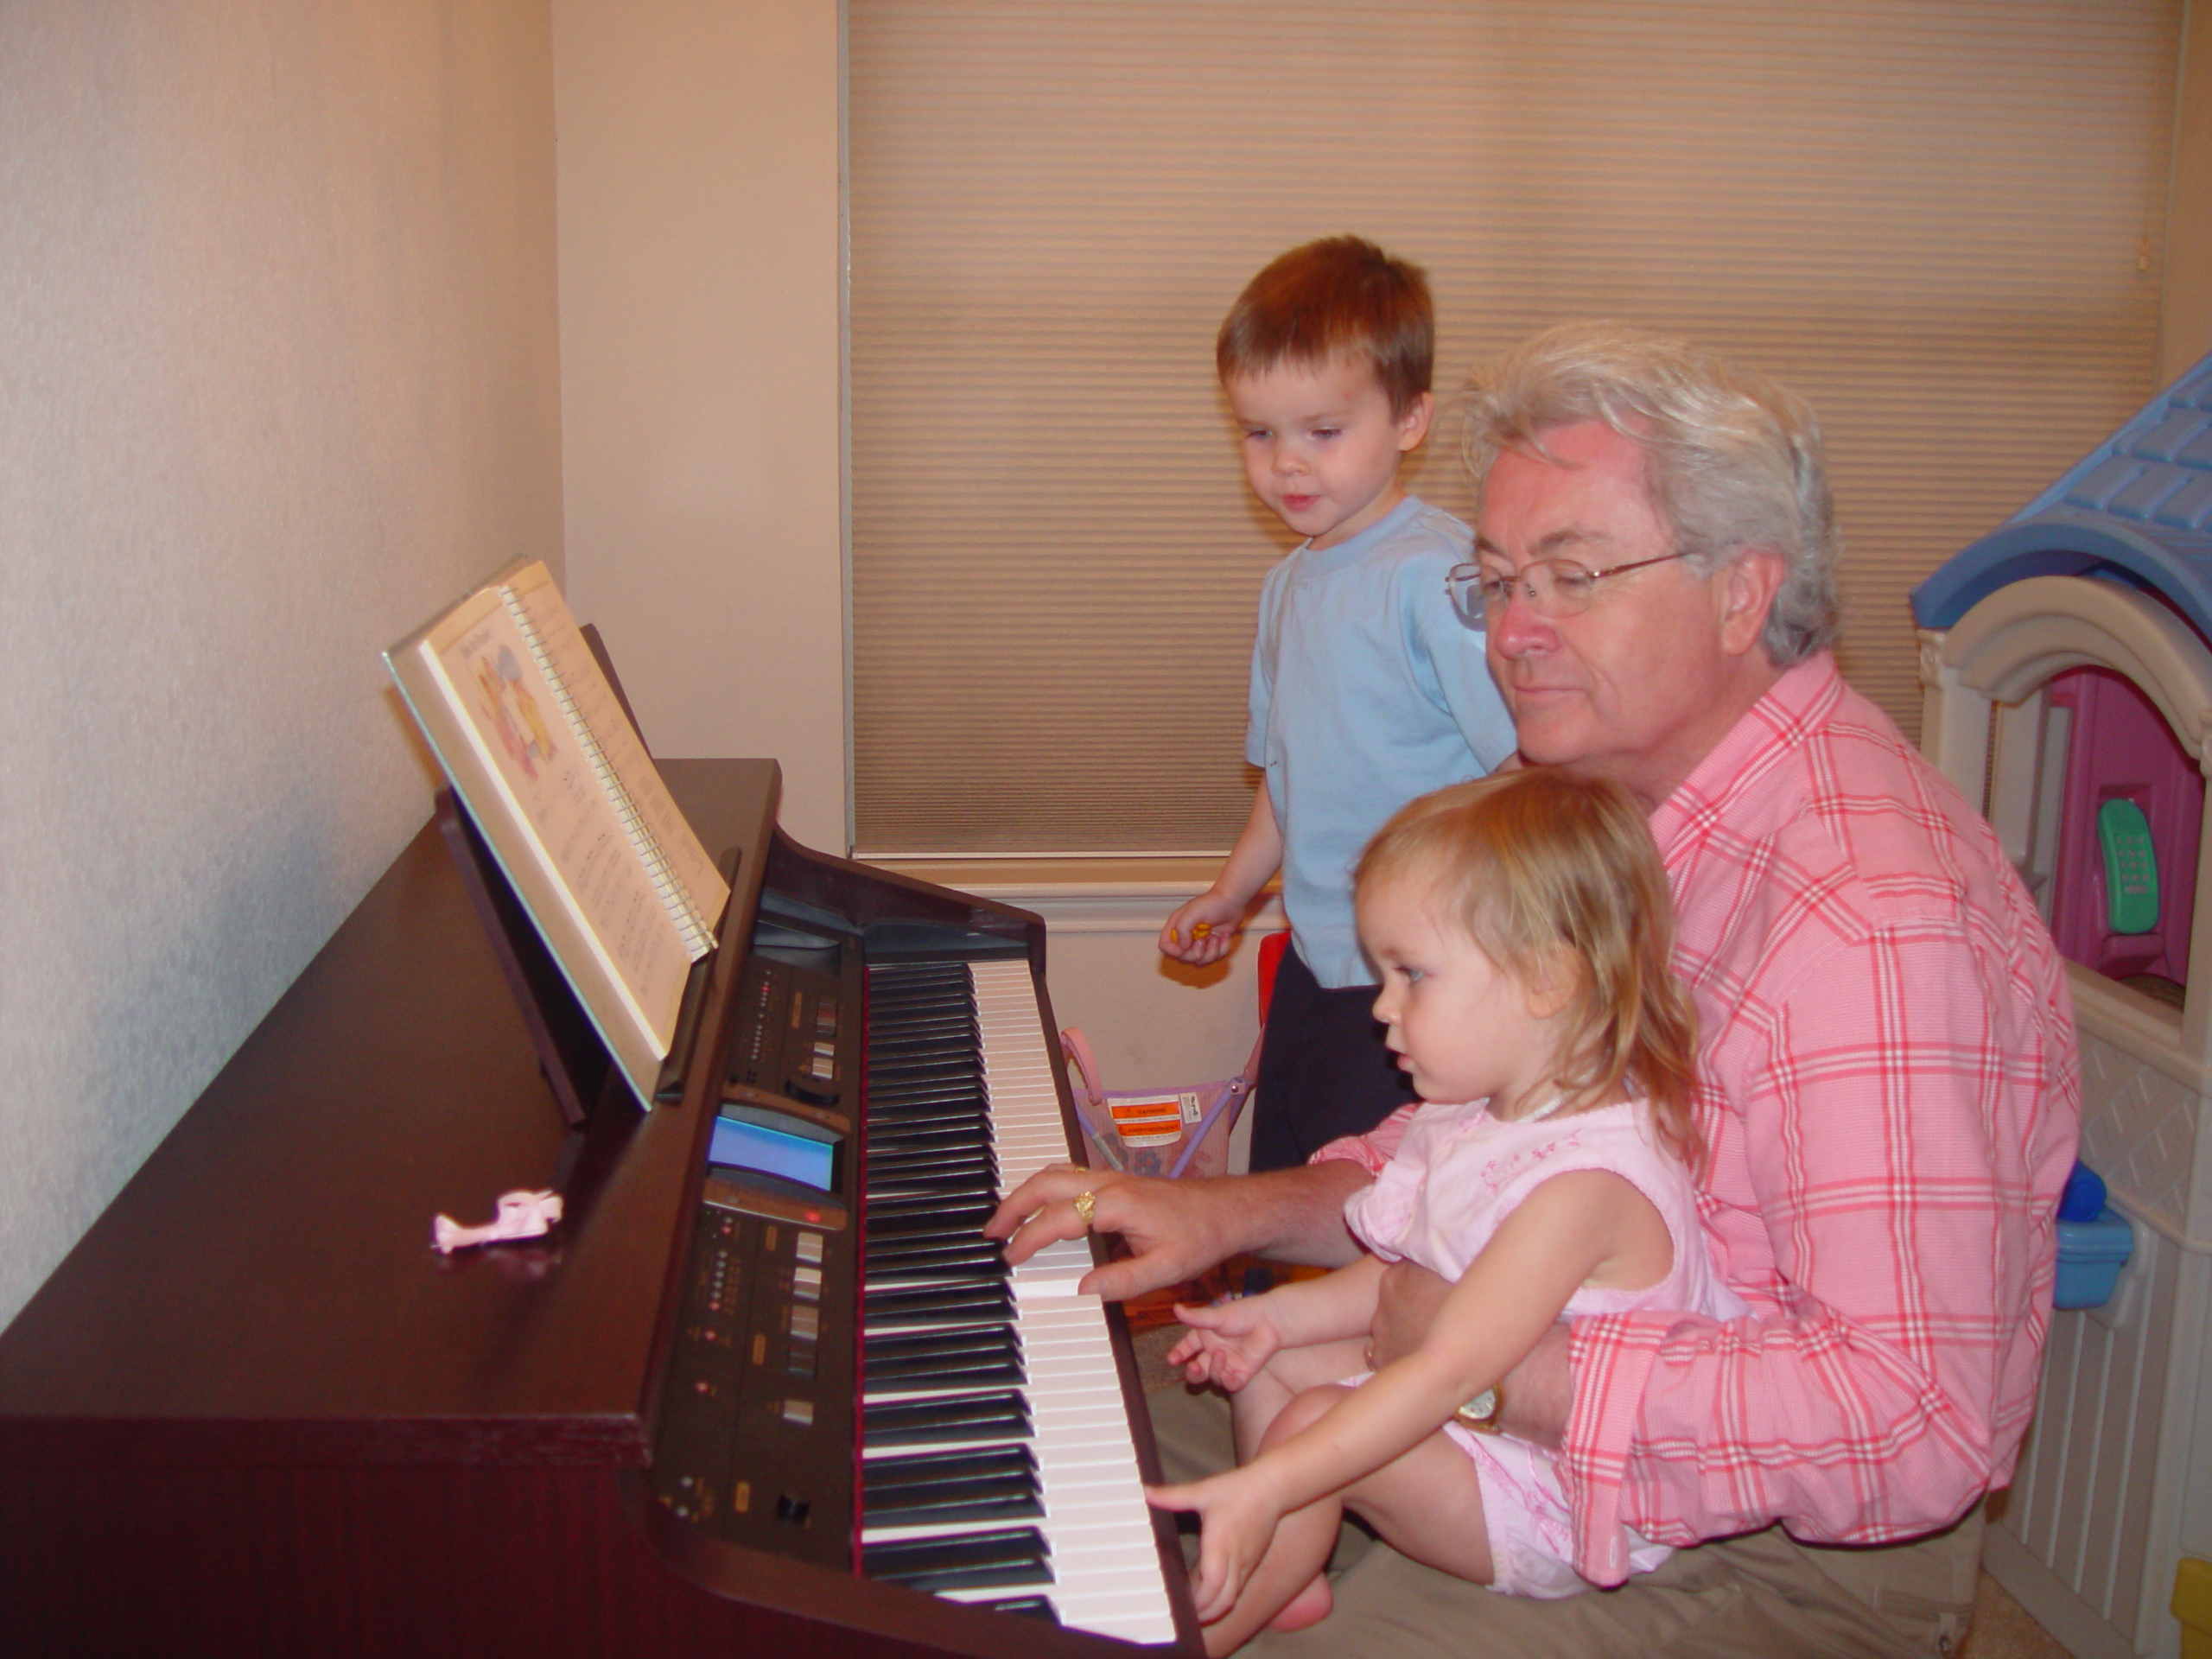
2115	1483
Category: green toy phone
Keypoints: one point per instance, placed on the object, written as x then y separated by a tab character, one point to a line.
2130	868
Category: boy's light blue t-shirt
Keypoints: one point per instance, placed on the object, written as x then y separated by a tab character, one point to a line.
1367	690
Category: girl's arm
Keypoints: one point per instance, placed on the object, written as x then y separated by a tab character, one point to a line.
1336	1305
1230	1341
1571	1229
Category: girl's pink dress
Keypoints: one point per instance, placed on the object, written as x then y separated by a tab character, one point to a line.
1458	1172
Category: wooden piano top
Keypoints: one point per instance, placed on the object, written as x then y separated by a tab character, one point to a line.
255	1414
264	1287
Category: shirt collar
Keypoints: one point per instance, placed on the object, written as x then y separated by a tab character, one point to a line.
1769	730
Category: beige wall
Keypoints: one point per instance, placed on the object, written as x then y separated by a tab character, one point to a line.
2185	330
279	373
278	376
701	282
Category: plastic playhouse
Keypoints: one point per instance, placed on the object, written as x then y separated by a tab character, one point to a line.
2067	661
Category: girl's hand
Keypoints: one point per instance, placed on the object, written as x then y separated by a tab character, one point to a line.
1237	1522
1228	1343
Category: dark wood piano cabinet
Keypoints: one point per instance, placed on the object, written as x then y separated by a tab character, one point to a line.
254	1413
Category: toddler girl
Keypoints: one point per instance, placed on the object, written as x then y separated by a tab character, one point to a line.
1522	929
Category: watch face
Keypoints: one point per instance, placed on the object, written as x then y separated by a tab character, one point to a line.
1481	1411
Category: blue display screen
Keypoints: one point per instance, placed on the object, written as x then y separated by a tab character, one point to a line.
771	1152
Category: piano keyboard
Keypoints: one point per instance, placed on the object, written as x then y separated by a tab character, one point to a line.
997	1459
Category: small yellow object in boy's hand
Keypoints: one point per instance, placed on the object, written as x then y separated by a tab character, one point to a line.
1200	930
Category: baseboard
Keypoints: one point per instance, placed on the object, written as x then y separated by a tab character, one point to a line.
2072	1623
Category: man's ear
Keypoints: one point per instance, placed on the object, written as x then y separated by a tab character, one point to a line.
1748	587
1413	425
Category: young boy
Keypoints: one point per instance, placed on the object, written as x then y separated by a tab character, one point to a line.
1366	688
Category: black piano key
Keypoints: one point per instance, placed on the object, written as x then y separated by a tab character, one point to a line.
939	1169
895	1252
974	1113
947	1372
923	1038
919	1072
1036	1607
914	1094
923	1094
962	1220
990	1501
926	1137
881	971
906	979
984	1561
909	1346
994	1415
947	1172
929	1272
922	1005
932	1488
881	1476
902	1208
888	1309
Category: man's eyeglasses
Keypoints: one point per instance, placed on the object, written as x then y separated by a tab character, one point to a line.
1553	588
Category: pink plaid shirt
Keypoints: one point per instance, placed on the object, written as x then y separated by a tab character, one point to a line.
1891	1097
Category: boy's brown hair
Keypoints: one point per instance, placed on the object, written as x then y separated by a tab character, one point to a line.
1341	294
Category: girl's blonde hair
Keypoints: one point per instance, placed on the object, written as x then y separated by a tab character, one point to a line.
1527	861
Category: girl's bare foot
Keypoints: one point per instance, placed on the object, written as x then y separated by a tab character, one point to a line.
1309	1606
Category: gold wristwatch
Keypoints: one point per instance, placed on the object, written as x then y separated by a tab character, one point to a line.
1481	1413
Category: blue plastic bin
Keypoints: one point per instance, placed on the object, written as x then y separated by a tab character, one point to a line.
2090	1255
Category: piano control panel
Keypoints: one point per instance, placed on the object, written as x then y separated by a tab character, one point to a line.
757	1412
757	1418
799	1034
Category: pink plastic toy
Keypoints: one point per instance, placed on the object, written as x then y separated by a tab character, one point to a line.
521	1214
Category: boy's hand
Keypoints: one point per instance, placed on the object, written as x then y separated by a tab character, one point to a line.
1236	1521
1203	930
1227	1343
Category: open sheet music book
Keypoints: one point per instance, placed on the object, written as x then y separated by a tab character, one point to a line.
559	783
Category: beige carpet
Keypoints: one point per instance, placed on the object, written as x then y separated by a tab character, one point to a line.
2001	1628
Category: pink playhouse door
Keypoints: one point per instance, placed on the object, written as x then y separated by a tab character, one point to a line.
2126	882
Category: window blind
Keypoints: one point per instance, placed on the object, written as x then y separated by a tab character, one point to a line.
1941	222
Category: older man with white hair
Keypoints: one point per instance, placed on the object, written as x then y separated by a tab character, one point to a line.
1890	1093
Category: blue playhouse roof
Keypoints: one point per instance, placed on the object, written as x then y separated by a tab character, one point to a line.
2136	510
